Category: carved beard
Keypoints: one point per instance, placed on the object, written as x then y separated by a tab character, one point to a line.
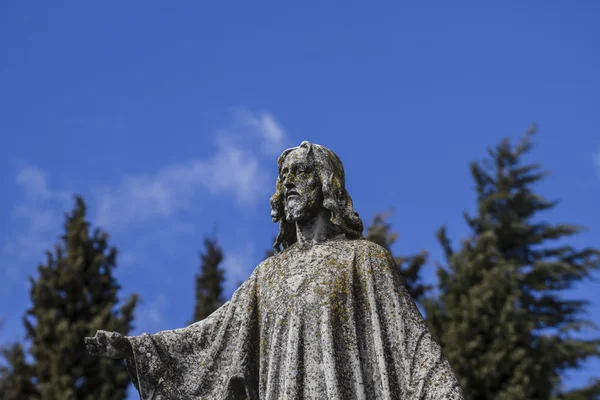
302	208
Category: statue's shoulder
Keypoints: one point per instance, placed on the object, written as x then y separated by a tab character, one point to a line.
270	260
366	247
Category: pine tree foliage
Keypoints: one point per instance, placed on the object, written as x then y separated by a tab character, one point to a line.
409	267
16	379
209	282
502	317
74	295
482	333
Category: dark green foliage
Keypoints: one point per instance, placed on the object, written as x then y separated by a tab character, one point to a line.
74	296
501	317
16	380
209	282
408	267
483	335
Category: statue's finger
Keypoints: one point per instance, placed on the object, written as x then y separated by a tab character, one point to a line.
101	338
93	350
113	335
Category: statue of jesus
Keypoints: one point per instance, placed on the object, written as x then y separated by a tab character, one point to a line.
326	317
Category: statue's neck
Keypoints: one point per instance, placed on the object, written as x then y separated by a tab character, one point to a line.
317	229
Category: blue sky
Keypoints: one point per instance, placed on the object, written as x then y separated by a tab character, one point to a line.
169	120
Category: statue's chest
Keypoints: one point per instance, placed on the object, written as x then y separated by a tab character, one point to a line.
300	281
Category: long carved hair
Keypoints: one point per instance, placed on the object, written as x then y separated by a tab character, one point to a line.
335	197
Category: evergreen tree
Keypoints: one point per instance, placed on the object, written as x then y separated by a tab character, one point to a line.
209	282
483	335
409	267
502	318
74	296
16	380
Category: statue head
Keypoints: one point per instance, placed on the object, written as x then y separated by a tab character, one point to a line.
311	177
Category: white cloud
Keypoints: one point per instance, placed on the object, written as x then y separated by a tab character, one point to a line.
263	125
234	169
35	218
34	182
36	207
237	168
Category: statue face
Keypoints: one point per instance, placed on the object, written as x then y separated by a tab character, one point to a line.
302	187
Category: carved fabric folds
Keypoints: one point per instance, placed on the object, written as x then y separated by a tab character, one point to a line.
330	321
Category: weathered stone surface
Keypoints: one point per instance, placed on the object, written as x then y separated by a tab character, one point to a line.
325	318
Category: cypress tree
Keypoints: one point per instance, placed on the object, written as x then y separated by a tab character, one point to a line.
74	295
209	282
409	267
502	317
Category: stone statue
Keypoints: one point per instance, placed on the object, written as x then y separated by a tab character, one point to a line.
326	317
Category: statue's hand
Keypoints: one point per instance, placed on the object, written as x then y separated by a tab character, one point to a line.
108	344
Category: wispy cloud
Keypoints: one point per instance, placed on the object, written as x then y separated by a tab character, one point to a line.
34	182
263	125
235	168
34	218
238	168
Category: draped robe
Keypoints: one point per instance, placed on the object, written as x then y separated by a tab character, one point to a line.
329	321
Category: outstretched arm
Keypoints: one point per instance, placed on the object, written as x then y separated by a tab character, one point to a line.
199	361
113	345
